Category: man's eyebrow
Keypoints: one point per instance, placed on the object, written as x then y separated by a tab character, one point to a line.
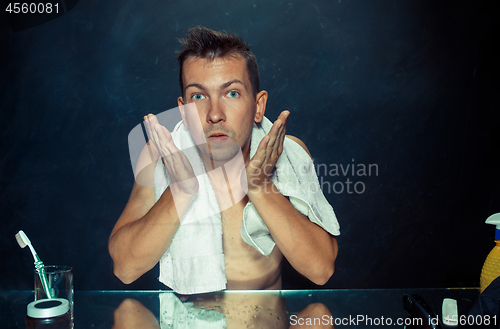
227	84
197	85
222	87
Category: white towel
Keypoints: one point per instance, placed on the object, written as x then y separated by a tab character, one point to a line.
194	262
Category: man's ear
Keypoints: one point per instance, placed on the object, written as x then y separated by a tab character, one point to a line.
180	103
261	101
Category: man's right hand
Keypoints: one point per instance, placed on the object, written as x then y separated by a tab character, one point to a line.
146	227
183	179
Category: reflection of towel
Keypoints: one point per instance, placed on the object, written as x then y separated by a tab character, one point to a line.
194	262
174	314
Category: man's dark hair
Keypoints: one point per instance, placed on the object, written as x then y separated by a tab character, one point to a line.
202	42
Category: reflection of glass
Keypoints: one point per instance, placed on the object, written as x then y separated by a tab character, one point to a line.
228	309
60	281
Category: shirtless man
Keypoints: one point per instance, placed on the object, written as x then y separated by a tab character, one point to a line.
224	87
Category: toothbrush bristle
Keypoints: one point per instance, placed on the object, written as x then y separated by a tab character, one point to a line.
20	239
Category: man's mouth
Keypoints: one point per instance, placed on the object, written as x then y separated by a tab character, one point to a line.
218	136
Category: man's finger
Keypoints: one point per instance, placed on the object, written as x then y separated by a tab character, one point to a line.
260	155
274	140
151	142
278	149
151	121
179	161
282	135
170	151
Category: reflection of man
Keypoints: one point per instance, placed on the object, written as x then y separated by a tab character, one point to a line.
255	309
219	75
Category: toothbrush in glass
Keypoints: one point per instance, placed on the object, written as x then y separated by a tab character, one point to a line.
23	241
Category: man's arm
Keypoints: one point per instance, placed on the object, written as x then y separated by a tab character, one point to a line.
145	229
308	247
143	232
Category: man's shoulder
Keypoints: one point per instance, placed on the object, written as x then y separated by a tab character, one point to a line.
298	141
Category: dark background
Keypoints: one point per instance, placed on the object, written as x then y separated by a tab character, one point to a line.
411	86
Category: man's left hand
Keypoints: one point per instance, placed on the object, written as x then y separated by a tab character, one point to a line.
262	164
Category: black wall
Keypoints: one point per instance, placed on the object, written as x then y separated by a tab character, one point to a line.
409	86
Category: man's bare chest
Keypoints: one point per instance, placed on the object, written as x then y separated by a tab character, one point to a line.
232	219
235	248
246	268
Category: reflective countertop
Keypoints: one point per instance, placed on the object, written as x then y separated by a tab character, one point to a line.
366	308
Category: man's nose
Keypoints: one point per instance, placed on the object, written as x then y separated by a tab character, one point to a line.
216	112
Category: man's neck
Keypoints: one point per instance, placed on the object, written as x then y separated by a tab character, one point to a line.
225	178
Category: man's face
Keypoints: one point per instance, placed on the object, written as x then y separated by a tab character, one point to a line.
226	106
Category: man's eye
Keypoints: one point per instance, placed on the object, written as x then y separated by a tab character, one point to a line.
198	97
233	93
